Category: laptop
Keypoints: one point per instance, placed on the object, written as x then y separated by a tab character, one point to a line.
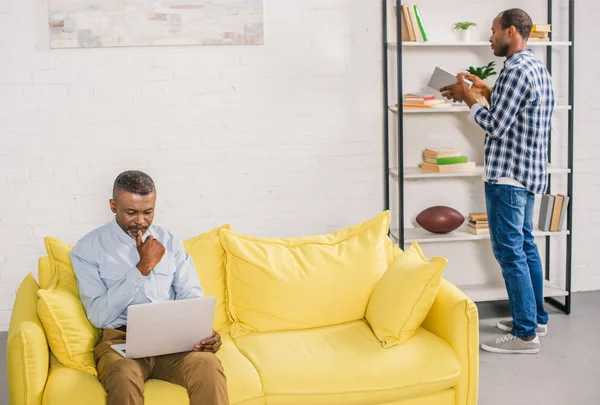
167	327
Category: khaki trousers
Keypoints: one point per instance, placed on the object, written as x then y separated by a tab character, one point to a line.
201	373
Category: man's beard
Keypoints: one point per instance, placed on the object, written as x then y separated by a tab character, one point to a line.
501	50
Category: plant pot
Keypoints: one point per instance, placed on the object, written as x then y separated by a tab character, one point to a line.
465	35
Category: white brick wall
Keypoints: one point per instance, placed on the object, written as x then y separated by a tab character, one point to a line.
279	140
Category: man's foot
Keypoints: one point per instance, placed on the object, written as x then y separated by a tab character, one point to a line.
509	344
507	326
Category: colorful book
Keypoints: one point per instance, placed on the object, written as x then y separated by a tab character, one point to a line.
420	23
455	168
447	160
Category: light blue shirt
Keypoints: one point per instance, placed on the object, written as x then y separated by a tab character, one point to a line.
105	262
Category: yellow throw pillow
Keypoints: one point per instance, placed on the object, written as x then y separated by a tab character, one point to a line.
305	282
71	336
209	259
60	263
404	295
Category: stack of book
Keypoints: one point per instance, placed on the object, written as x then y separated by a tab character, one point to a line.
423	101
445	161
553	212
478	224
540	32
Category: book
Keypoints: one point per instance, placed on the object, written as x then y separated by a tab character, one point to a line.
545	217
409	25
454	168
420	23
479	231
541	28
535	34
415	24
556	210
441	153
442	77
563	212
478	225
446	160
477	216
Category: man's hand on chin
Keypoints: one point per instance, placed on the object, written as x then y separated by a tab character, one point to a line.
212	344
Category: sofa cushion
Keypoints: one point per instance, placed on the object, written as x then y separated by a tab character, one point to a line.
70	334
293	283
209	260
68	386
346	364
243	382
403	297
26	348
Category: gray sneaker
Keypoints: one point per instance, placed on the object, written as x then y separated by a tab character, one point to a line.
509	344
507	326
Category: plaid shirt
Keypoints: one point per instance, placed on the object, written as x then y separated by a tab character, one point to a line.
518	122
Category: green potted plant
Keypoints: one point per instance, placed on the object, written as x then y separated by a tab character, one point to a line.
464	29
483	72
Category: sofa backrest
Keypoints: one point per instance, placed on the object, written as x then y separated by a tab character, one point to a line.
304	282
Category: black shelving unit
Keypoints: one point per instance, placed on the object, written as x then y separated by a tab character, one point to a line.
399	235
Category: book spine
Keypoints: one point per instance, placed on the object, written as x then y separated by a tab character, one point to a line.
546	206
563	213
420	22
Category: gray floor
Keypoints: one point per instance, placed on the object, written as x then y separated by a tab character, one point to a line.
567	370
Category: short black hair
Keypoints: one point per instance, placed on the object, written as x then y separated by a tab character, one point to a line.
519	19
133	181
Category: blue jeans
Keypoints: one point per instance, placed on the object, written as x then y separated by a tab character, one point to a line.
510	218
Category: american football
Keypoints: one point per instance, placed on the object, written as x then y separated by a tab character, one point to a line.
440	219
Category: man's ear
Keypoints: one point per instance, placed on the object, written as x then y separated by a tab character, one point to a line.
113	206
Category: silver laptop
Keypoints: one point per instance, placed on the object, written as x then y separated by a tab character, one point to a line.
167	327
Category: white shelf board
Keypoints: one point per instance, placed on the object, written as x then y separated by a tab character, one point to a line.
474	43
497	292
460	235
453	109
416	173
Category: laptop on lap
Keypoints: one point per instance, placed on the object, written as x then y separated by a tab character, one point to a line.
167	327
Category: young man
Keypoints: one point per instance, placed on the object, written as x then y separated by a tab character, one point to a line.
131	261
517	125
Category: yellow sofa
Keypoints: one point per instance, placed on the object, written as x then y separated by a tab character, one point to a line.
341	363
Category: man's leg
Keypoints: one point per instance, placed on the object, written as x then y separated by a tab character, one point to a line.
201	373
533	261
506	217
123	379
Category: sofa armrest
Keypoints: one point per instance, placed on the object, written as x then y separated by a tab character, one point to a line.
27	353
454	318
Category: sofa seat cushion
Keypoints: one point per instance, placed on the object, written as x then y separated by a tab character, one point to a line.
346	364
243	382
68	386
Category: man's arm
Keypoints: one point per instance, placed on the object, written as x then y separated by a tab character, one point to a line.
185	282
513	91
104	305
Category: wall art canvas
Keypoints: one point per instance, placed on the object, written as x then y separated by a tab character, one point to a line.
114	23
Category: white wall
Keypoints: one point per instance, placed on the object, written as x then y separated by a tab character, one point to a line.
278	140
